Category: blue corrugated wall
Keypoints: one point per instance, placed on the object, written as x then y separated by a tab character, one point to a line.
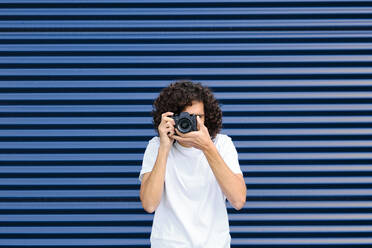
77	80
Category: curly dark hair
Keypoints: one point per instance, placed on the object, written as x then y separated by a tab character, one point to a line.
180	94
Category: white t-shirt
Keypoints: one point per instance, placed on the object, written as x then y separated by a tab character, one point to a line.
192	211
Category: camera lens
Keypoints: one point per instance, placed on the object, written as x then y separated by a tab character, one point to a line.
184	125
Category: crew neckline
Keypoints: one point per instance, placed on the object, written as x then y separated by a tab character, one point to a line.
185	149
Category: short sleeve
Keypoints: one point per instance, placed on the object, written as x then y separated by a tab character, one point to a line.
229	154
149	157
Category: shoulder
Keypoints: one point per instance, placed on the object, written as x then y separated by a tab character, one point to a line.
153	142
154	139
220	137
222	140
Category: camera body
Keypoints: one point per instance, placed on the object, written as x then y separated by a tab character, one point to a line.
185	122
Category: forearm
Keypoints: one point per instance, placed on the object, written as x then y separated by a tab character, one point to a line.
152	189
231	185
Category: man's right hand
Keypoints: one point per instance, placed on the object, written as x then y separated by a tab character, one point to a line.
152	185
166	130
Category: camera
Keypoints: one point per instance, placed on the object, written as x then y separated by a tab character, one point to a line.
185	122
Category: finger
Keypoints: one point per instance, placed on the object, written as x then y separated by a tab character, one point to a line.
169	128
172	123
179	133
186	135
178	138
170	134
182	139
166	114
168	119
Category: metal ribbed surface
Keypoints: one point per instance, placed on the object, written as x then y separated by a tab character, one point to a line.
78	79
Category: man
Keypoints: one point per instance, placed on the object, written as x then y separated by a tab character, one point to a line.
187	177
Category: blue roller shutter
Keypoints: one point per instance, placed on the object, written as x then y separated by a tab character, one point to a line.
77	80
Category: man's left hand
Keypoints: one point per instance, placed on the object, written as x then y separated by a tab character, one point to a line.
199	139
